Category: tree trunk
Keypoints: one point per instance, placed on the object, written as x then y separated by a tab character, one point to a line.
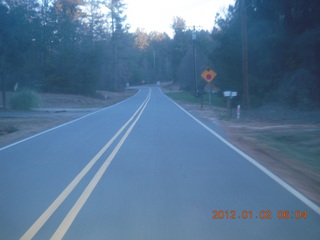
3	85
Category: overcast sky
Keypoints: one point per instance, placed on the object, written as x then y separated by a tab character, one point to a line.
157	15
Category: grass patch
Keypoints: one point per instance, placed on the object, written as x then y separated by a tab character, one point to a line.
183	96
24	100
299	144
190	98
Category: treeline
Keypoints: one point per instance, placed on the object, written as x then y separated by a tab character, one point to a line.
78	46
283	51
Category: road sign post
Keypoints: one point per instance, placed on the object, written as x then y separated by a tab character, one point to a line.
210	94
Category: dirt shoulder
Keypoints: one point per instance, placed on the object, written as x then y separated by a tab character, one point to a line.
285	142
55	109
298	172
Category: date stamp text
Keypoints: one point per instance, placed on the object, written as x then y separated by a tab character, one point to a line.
263	214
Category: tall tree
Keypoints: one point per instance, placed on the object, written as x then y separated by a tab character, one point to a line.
283	51
67	16
178	25
96	20
160	45
142	39
119	30
180	43
19	36
4	39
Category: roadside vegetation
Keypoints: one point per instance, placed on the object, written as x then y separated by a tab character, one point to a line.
25	99
71	46
188	97
7	128
301	144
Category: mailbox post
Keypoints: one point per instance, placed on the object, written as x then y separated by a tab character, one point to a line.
229	95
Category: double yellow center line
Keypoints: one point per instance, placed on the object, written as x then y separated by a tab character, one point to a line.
66	223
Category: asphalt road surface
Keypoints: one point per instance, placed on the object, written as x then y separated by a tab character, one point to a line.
144	169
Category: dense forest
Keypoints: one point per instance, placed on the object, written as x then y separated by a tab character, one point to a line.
283	51
79	46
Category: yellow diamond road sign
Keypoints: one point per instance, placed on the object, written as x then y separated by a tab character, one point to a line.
208	75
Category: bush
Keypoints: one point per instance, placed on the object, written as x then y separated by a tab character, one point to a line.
299	89
24	100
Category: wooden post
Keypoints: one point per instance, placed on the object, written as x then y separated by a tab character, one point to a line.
3	84
244	54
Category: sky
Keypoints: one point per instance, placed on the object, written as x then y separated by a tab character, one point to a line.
158	15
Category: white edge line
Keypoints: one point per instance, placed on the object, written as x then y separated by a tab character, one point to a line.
289	188
64	124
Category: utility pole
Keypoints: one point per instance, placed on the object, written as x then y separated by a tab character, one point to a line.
244	54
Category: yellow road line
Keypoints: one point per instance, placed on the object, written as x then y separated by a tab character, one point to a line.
38	224
68	220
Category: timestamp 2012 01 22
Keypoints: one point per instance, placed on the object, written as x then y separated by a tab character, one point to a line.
263	214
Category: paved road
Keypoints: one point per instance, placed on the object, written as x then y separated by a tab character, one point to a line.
144	169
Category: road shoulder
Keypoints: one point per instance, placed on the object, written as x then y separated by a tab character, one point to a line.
244	135
56	109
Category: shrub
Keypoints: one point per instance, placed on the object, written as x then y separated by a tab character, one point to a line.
24	100
299	89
